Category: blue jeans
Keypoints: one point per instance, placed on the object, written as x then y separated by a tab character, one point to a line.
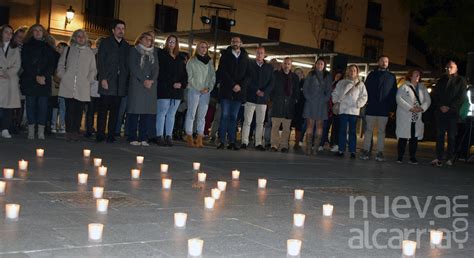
344	120
228	125
62	114
196	102
165	115
36	110
142	126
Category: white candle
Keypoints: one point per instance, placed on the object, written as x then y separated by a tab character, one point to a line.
39	153
221	185
12	211
409	248
216	193
102	171
298	219
22	164
8	173
95	231
97	162
327	210
299	194
135	173
262	183
86	153
195	247
196	165
202	177
102	205
235	175
3	185
209	202
436	236
180	219
293	247
166	183
82	178
164	168
140	160
98	192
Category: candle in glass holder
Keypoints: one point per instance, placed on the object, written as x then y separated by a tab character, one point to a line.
102	171
39	153
409	247
82	178
299	194
195	247
235	175
8	173
327	210
3	185
102	205
164	168
298	219
196	166
180	219
222	185
436	236
135	173
98	192
95	231
12	211
166	183
22	164
86	153
140	160
97	162
293	247
209	202
202	177
216	193
262	183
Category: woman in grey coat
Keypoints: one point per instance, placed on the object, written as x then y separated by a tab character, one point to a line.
317	91
143	61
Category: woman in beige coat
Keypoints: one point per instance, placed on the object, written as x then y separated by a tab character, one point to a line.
77	70
10	63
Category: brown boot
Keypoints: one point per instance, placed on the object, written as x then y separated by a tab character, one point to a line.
199	141
309	144
189	141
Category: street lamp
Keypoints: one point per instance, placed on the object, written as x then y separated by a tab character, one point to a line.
69	16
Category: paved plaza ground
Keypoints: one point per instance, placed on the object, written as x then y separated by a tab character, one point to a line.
246	221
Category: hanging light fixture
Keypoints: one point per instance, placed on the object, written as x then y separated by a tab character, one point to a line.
69	16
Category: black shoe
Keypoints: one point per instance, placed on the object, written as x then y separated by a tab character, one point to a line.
169	141
353	155
260	148
273	149
153	140
339	154
88	135
232	146
284	150
268	146
413	161
160	141
221	146
243	146
110	139
99	138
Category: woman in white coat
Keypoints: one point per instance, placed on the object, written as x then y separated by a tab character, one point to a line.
10	63
350	95
412	100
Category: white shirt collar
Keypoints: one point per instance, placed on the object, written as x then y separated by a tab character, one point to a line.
236	54
5	46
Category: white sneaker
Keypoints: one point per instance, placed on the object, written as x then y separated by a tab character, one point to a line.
62	130
6	134
320	148
335	148
135	143
145	143
449	162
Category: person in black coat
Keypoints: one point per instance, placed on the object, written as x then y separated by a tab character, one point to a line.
448	96
258	92
39	62
234	79
113	72
172	81
284	98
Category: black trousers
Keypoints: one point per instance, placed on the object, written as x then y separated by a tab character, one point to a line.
109	104
413	144
446	123
91	109
74	110
6	121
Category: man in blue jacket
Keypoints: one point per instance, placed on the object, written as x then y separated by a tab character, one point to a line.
381	88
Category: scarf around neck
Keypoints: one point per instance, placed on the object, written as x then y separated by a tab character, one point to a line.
204	59
145	52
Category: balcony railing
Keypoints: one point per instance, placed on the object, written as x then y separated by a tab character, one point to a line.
97	24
